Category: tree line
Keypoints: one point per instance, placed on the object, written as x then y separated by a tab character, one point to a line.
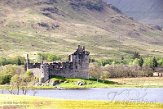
136	66
19	60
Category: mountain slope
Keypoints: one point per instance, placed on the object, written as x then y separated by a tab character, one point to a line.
146	11
58	26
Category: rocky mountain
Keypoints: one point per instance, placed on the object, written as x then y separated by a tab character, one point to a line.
58	26
146	11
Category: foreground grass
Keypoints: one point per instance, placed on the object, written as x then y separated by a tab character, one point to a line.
28	102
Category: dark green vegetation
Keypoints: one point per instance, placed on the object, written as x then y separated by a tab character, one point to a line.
58	26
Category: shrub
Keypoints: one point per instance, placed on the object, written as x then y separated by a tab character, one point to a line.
48	57
118	71
18	60
3	61
6	72
29	73
95	71
141	62
4	79
104	62
136	61
160	62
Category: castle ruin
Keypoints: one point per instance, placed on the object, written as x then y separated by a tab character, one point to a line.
76	67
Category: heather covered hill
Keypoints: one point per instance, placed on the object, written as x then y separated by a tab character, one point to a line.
58	26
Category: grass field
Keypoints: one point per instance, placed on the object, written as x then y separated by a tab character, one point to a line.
89	83
70	83
140	82
149	82
27	102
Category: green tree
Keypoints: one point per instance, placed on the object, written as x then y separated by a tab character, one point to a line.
3	61
147	62
5	78
154	63
16	82
6	73
141	62
22	82
48	57
52	57
136	61
160	62
104	62
19	61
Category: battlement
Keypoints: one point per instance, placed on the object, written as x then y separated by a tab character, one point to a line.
81	50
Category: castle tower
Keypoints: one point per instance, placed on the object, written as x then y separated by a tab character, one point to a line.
80	60
44	73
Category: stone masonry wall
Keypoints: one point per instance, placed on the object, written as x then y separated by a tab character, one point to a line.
76	67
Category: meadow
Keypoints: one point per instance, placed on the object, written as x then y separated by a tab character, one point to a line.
28	102
150	82
71	83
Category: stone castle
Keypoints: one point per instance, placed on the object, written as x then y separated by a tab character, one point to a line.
76	67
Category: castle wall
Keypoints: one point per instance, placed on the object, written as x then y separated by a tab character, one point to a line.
32	65
76	67
66	69
36	72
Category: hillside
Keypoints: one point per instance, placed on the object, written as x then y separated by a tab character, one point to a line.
145	11
58	26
